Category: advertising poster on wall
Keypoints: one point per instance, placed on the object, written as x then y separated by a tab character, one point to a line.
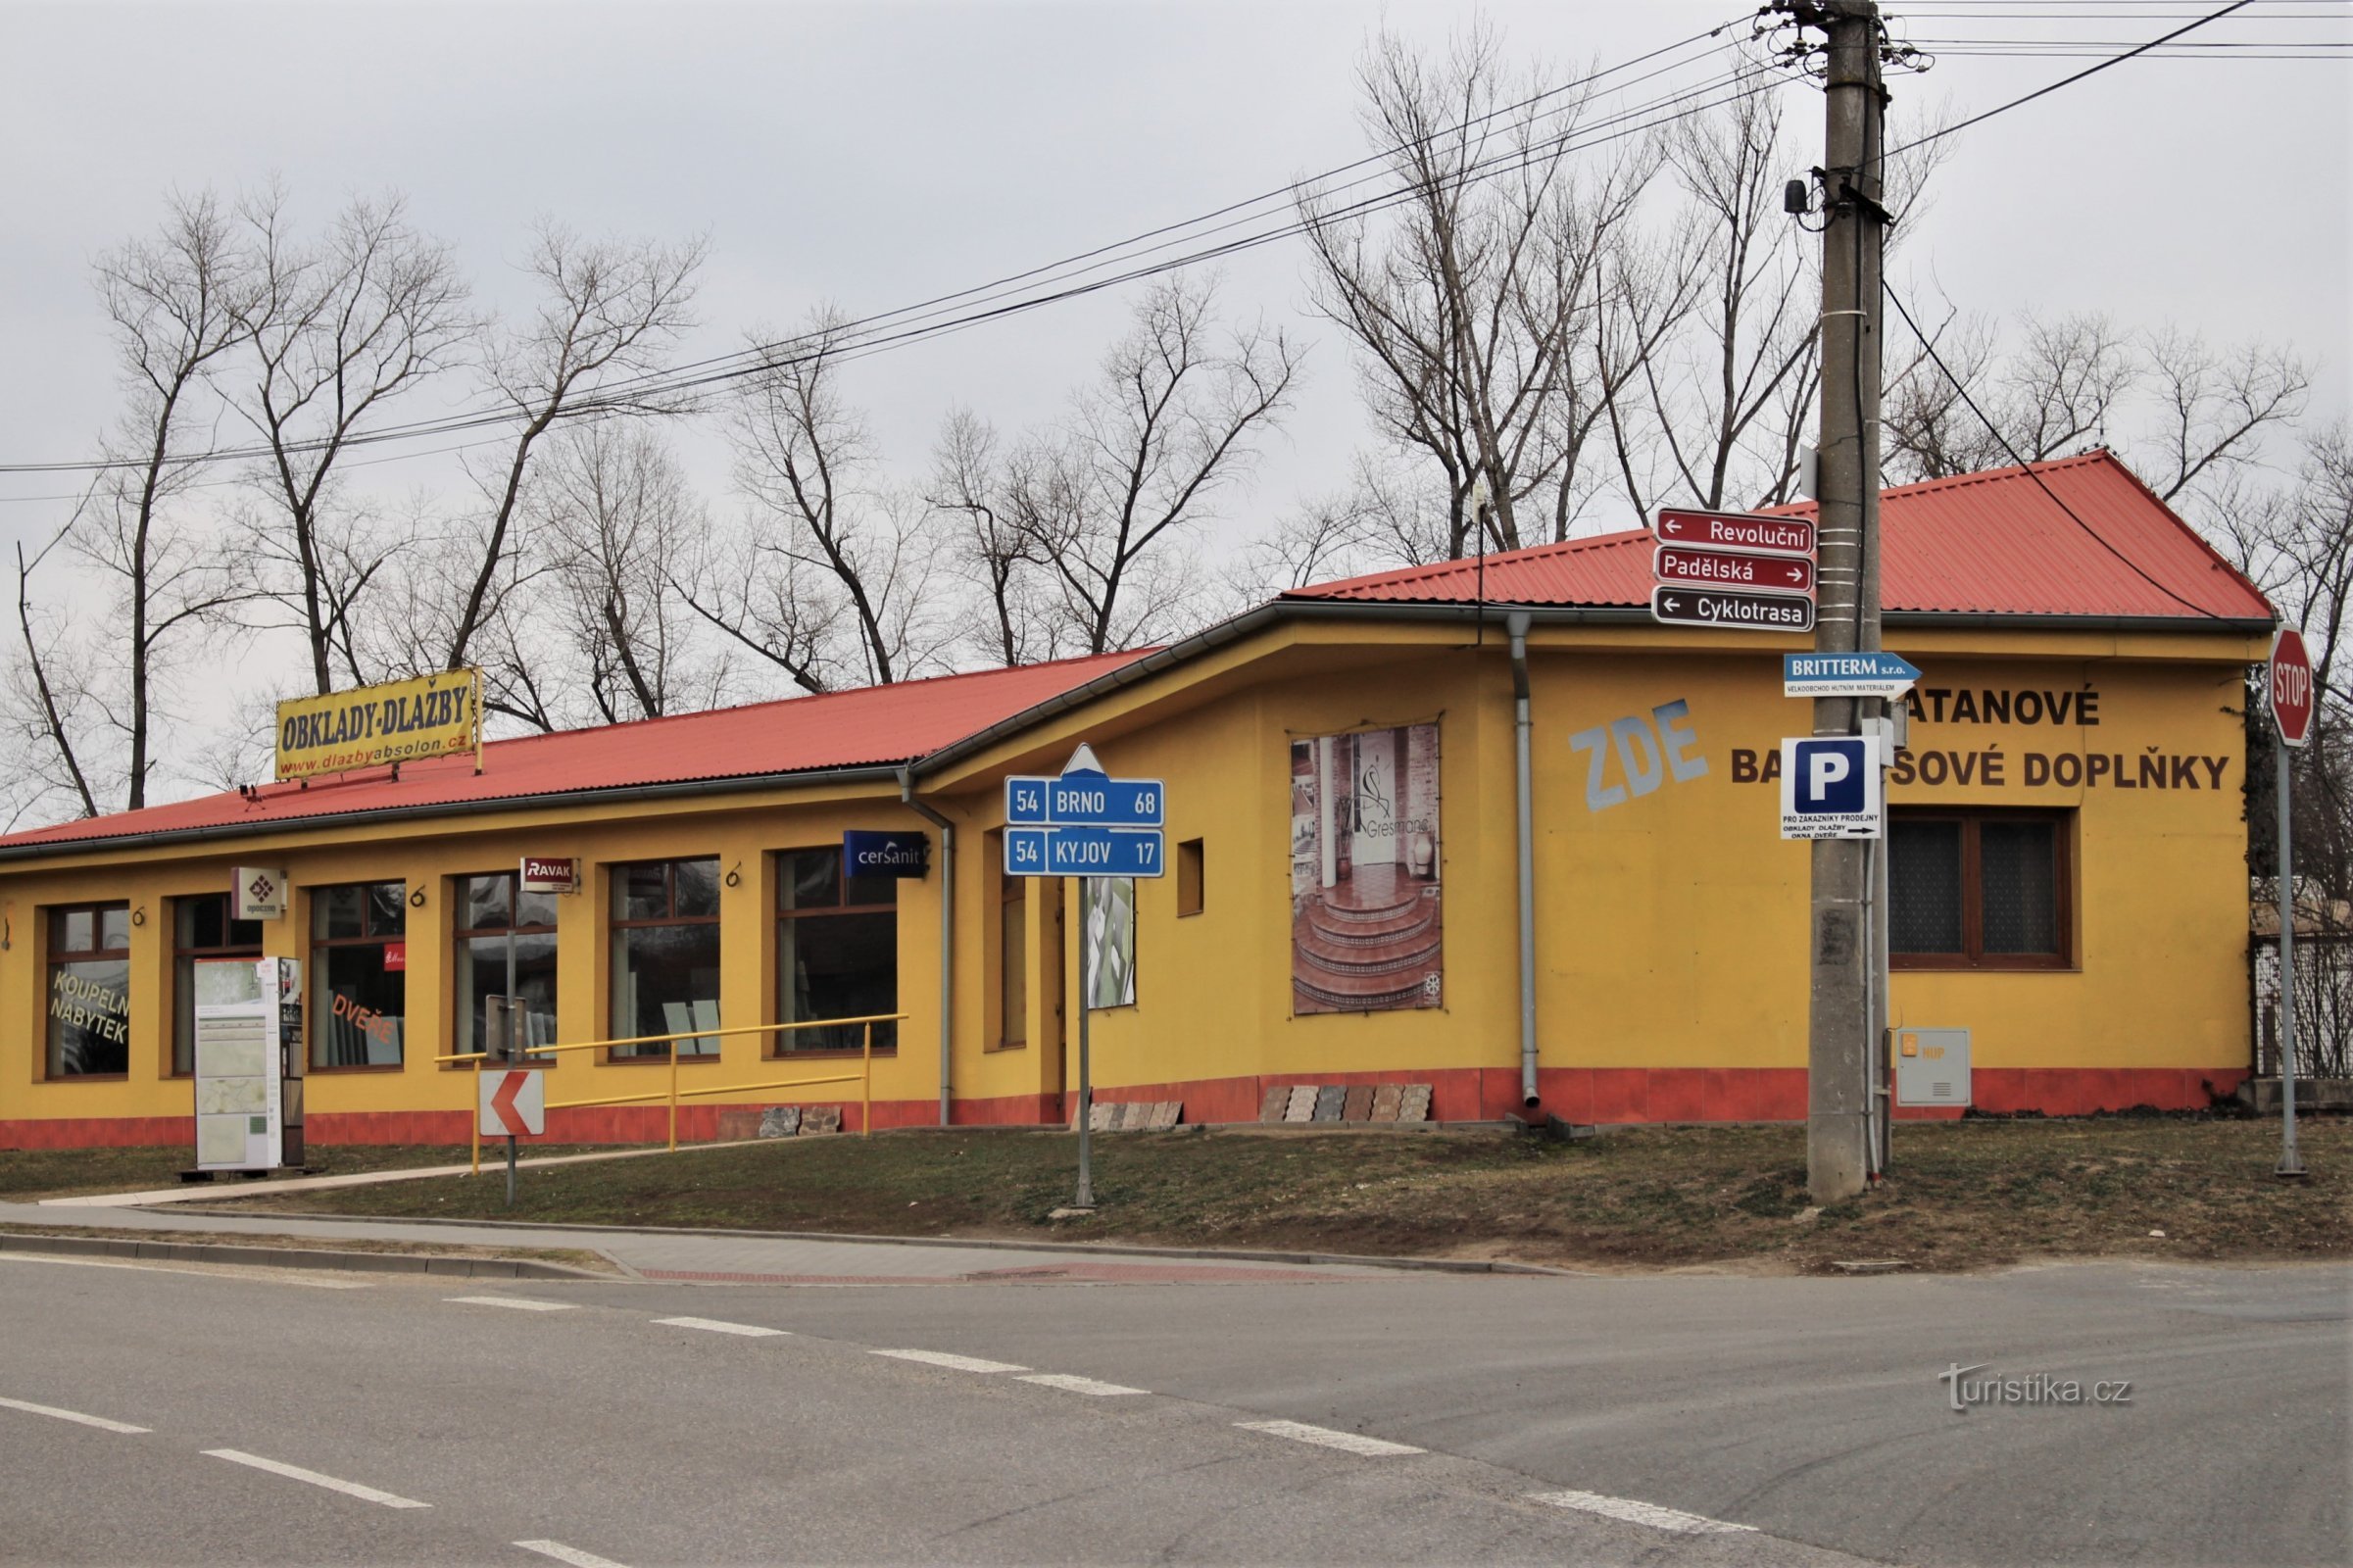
1111	940
1366	923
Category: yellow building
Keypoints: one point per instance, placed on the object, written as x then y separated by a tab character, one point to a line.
2067	865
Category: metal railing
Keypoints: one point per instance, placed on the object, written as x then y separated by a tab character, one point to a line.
2323	1003
863	1077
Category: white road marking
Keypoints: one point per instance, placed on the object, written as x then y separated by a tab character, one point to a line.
954	1363
748	1329
295	1472
1346	1441
571	1555
270	1274
521	1304
1069	1384
1641	1513
98	1421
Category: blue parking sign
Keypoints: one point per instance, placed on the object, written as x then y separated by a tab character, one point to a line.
1831	788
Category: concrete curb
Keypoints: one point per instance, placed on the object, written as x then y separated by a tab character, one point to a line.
1433	1265
479	1268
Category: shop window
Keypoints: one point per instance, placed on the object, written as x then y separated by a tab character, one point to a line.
89	991
665	957
359	958
506	962
837	951
1188	877
1013	959
1980	890
201	928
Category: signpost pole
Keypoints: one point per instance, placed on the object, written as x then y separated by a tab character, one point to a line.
1084	1198
2285	900
507	1042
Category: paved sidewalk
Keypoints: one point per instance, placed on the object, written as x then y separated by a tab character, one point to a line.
493	1159
721	1259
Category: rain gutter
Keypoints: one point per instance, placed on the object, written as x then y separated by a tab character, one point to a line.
906	793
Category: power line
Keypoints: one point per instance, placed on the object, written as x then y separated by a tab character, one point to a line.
1962	389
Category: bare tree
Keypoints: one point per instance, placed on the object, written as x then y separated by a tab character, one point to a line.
2216	409
993	550
610	312
1472	304
339	329
617	521
1103	498
43	712
838	546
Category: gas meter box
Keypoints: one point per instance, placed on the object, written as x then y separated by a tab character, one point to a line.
1932	1066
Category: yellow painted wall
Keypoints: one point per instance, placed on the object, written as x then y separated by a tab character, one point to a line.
1670	924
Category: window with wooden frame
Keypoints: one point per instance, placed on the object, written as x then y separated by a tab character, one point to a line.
665	957
504	952
836	952
360	963
201	928
89	991
1983	889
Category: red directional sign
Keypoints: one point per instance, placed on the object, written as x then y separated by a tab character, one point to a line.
513	1102
1732	568
2288	687
1735	530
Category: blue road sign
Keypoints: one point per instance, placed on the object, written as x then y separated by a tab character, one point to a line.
1876	675
1831	788
1086	798
1083	851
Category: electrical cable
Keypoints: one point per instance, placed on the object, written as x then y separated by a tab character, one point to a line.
1995	430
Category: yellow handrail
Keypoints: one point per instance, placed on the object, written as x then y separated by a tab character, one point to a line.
864	1076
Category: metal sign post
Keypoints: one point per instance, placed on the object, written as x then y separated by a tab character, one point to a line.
2288	693
1084	823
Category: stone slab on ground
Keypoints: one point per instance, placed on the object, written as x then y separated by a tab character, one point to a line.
1413	1104
820	1119
1303	1104
1385	1102
1166	1114
1358	1106
1273	1103
1329	1101
780	1121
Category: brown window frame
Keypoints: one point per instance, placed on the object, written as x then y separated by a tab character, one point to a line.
1192	878
772	1045
663	1054
1972	955
314	983
52	917
461	899
188	954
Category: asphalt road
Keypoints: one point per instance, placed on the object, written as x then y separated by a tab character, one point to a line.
1659	1420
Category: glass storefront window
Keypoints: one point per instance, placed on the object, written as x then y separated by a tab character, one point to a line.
498	922
201	928
360	963
89	991
837	951
665	956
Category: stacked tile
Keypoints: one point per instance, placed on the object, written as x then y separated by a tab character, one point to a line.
1328	1102
1414	1103
1164	1115
1385	1102
1303	1104
1270	1108
1359	1106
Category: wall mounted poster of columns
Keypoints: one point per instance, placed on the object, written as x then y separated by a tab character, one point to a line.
1365	915
1111	926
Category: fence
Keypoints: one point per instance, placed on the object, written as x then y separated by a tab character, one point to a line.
2323	1003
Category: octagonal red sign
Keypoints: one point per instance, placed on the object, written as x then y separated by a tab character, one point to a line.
2288	687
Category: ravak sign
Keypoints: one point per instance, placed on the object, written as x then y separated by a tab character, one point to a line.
399	721
894	854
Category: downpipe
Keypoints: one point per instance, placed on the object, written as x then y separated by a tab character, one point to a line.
906	794
1516	625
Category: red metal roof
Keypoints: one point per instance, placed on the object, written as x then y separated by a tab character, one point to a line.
1989	543
872	725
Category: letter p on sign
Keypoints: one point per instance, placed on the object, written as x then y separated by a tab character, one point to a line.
1825	768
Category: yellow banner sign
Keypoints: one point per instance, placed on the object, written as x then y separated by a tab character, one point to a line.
399	721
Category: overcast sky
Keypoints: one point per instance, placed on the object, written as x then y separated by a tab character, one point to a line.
879	154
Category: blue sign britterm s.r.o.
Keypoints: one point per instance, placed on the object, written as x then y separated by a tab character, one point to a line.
894	854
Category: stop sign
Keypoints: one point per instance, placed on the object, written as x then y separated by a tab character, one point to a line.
2289	687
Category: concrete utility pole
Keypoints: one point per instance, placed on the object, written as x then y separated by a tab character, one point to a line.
1840	1081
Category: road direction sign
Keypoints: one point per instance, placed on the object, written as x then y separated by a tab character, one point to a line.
1735	530
1876	675
1732	568
1083	851
1085	799
1737	611
2288	688
514	1101
1831	788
